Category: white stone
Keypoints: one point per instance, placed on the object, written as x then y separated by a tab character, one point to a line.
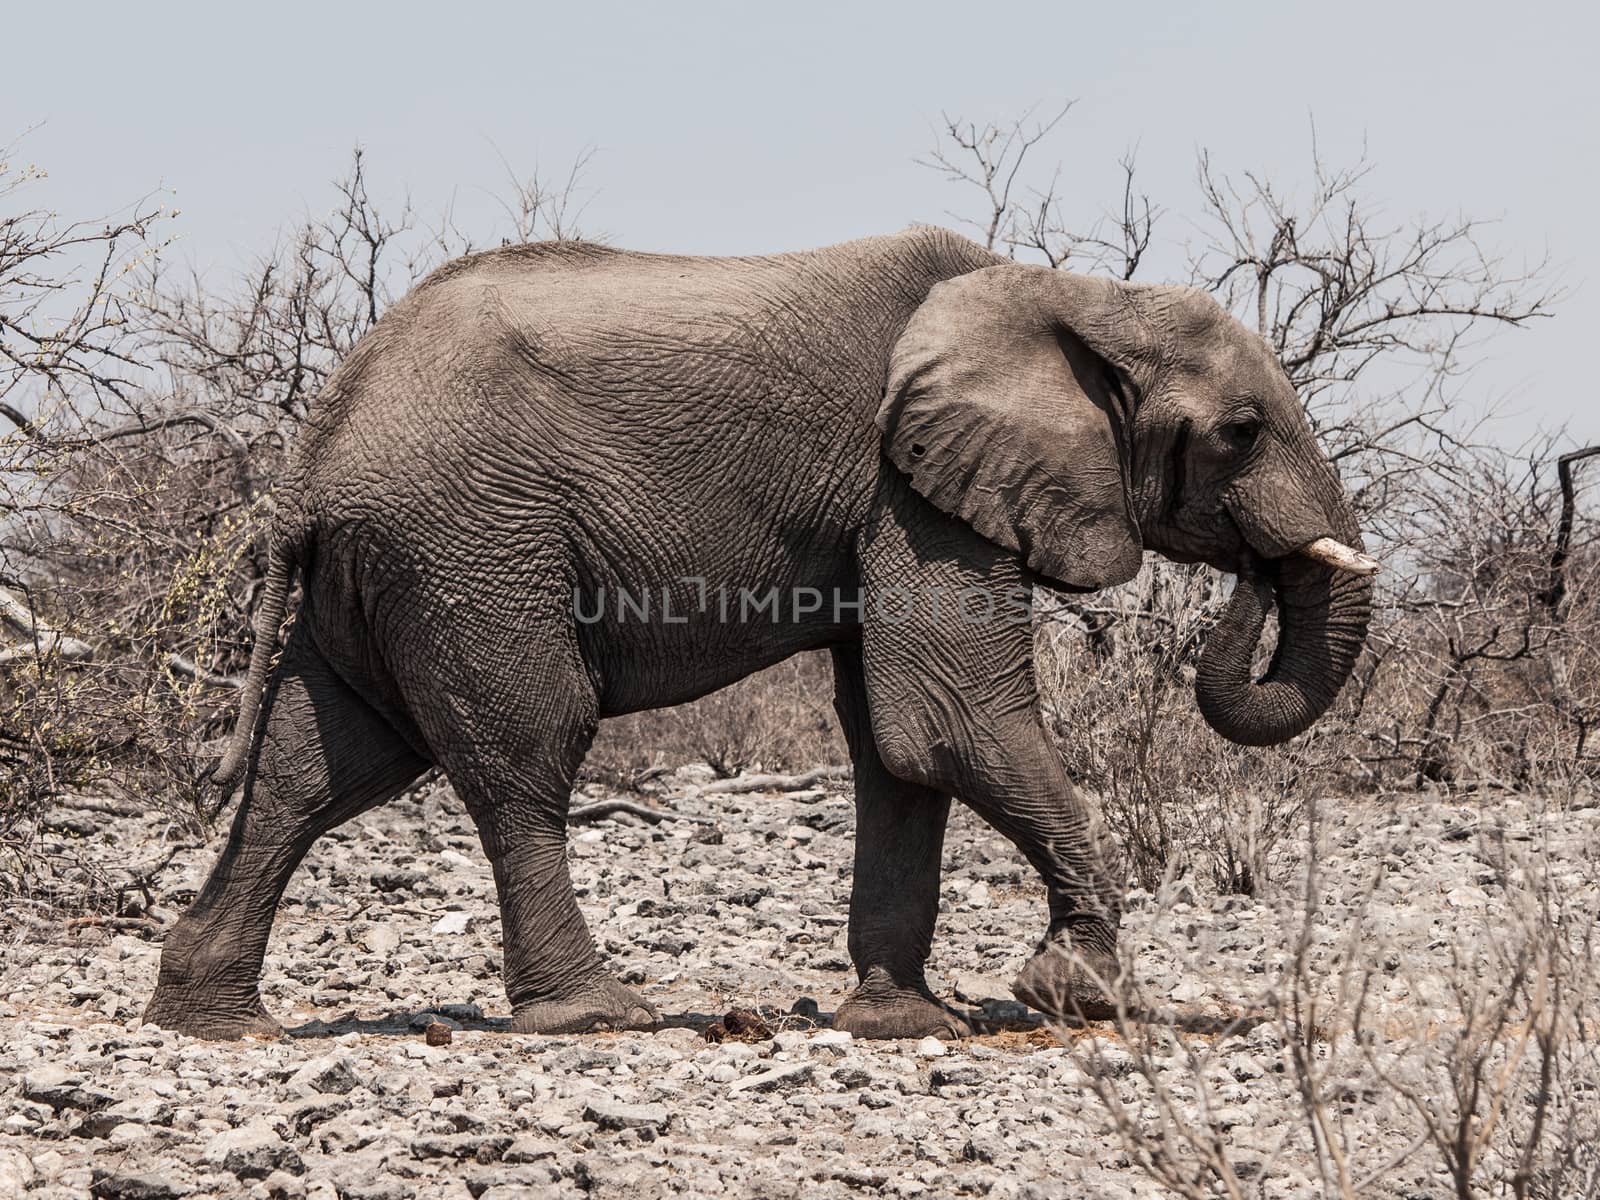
1187	991
381	939
453	923
252	1151
16	1173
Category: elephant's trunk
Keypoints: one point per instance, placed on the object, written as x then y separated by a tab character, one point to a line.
1322	623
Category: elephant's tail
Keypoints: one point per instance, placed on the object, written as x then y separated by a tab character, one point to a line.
281	562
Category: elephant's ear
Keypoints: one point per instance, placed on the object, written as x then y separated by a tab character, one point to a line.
1007	408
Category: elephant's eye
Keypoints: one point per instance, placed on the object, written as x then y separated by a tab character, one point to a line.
1241	434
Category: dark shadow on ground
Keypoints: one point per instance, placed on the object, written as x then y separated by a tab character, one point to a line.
406	1024
1204	1024
981	1021
398	1024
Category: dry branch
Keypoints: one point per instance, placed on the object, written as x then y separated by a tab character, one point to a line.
1557	590
605	808
776	783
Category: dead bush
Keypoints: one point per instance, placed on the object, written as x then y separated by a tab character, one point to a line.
1479	1062
147	418
778	719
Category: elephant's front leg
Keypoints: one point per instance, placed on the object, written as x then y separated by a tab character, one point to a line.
1020	787
894	895
999	760
1005	768
948	666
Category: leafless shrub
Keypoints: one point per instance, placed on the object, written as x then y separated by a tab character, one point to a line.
145	433
539	209
1478	1065
64	301
1116	673
67	345
1471	677
1498	616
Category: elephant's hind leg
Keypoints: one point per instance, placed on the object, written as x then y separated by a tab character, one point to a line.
894	895
511	745
324	755
554	976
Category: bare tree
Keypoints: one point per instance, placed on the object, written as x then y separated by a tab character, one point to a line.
990	158
136	480
993	159
1375	323
64	301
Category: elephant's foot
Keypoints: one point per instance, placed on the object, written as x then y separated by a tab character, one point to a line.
1061	982
207	989
184	1012
882	1009
602	1006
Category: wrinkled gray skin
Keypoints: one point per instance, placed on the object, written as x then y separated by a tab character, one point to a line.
902	412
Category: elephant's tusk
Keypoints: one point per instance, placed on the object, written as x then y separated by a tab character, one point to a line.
1340	557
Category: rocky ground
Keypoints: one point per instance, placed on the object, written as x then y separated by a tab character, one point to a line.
391	926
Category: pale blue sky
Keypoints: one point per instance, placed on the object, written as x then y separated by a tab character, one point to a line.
750	128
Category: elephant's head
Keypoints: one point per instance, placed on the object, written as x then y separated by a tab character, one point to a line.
1079	420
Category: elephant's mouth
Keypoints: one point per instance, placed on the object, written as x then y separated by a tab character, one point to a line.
1323	596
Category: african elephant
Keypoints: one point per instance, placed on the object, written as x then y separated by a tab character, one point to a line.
537	431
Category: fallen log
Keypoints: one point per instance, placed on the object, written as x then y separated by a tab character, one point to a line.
180	664
42	639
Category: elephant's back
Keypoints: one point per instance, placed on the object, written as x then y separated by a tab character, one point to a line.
640	403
